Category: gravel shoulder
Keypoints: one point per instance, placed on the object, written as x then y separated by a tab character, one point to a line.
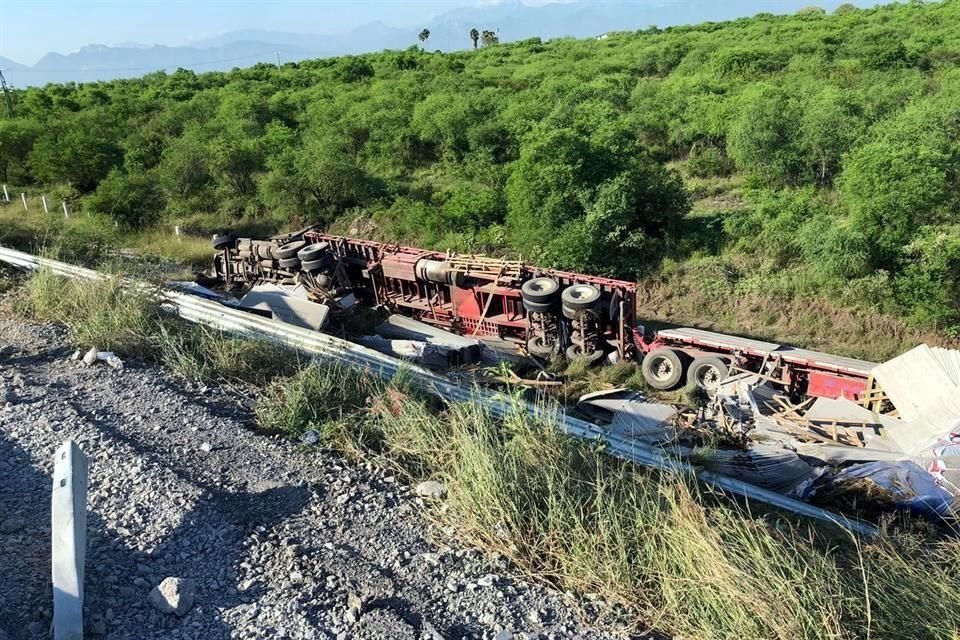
279	540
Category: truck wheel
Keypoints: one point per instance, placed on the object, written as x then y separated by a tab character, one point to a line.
322	262
537	307
292	264
662	368
313	252
223	241
580	296
539	290
576	352
707	373
540	349
289	250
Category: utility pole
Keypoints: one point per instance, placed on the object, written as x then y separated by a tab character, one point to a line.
6	94
278	59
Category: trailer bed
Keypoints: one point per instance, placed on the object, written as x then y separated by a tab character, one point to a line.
760	348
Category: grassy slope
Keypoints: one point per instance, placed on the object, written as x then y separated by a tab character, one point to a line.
692	564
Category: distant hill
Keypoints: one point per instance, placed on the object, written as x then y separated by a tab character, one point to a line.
448	32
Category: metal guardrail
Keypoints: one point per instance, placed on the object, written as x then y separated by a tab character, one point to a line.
319	345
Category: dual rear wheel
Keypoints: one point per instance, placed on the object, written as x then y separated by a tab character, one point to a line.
664	369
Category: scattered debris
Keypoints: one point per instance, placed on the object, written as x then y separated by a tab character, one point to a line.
287	304
206	447
431	489
923	385
92	356
173	595
901	485
766	466
398	327
435	356
630	413
310	437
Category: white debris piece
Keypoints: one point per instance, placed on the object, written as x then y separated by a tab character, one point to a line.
90	356
173	595
631	414
287	304
922	384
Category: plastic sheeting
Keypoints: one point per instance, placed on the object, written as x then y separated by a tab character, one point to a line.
910	486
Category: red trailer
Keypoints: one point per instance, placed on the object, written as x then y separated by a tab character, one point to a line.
548	312
694	356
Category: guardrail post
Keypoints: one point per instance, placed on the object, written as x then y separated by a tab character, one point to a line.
69	540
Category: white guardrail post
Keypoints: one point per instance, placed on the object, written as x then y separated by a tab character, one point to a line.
324	346
68	540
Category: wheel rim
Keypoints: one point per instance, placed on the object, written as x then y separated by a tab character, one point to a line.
708	376
581	292
662	368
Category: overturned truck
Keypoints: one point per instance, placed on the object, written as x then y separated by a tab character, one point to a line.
544	312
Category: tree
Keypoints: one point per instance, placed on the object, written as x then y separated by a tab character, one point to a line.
16	142
79	150
575	205
324	176
762	140
490	38
424	35
185	173
134	200
475	36
830	125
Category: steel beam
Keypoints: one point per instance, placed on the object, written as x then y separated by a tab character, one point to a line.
68	540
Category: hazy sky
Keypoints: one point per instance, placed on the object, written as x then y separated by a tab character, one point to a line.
31	28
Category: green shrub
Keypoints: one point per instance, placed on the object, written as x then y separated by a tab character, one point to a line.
133	200
706	162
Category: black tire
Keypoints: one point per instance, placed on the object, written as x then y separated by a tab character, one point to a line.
313	252
538	307
570	314
576	352
222	241
315	265
289	250
663	368
580	296
707	373
540	290
291	264
538	349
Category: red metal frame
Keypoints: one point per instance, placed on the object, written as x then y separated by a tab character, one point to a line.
800	374
479	306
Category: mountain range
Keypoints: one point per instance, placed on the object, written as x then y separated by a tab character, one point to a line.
512	20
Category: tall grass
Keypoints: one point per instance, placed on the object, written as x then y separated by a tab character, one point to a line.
111	317
102	314
682	561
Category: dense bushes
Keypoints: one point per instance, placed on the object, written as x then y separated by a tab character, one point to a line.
843	128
